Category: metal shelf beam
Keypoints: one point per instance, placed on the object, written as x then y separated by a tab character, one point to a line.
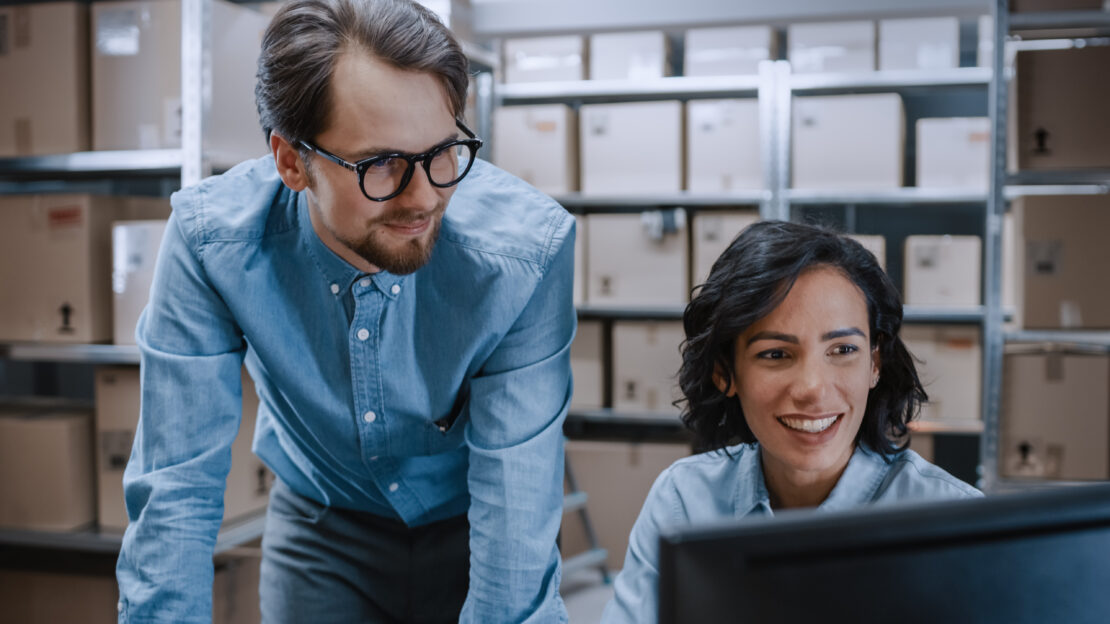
1059	20
1099	339
147	162
658	88
901	196
78	353
684	199
890	80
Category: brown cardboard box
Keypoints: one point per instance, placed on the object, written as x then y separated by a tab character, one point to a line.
585	364
1055	420
65	598
727	50
943	270
950	369
579	296
871	126
44	70
134	250
545	59
45	478
831	47
713	233
117	414
632	263
723	146
56	264
136	77
616	477
1061	109
875	243
539	144
620	156
646	360
1064	260
640	55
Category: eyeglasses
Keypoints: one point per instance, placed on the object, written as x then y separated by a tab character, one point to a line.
385	176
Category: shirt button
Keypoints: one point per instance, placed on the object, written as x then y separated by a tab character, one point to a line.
396	289
363	334
364	282
369	417
335	289
374	458
393	487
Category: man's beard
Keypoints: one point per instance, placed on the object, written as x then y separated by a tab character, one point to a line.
412	255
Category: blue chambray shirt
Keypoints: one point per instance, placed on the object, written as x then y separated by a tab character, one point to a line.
709	487
353	372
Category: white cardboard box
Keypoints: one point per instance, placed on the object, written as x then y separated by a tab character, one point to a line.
538	144
727	50
638	55
44	70
1055	414
579	296
848	142
875	243
117	414
831	47
919	43
586	366
723	146
545	59
950	369
56	261
943	270
136	78
713	232
630	263
135	247
631	148
954	152
646	360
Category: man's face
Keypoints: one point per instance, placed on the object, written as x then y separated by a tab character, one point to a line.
377	109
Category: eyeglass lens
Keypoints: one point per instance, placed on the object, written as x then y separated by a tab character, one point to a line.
386	176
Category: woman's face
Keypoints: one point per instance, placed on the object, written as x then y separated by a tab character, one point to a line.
803	374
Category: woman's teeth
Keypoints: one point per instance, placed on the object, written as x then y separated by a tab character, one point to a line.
809	425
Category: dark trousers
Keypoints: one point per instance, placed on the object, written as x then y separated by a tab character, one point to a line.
324	564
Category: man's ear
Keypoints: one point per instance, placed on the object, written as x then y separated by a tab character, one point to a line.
723	382
289	163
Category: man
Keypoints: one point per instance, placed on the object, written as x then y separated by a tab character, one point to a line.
408	335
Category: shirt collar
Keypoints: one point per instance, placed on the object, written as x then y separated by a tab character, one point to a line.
752	497
338	274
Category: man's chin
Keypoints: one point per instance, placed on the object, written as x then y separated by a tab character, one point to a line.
400	259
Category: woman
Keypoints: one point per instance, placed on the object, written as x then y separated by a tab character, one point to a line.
792	354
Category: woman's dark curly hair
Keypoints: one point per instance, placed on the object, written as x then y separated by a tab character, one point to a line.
746	283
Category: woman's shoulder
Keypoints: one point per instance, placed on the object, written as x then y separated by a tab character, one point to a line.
708	486
911	476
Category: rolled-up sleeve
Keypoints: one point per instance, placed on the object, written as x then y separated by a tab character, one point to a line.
517	407
192	353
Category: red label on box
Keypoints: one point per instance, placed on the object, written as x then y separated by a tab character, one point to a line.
64	216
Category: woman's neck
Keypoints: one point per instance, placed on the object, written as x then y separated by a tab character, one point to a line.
789	488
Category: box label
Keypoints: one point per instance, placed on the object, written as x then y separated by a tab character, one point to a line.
1044	257
117	32
63	217
115	449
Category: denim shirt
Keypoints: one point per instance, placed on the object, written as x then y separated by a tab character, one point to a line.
709	487
418	396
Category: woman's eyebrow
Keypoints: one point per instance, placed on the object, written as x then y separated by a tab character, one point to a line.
841	333
829	335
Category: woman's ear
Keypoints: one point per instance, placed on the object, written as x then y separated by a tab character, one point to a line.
290	166
723	382
876	365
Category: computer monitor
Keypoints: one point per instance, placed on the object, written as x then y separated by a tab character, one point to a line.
1038	557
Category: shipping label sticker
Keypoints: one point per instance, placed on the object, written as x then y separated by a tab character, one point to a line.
927	257
117	32
1044	257
64	217
115	449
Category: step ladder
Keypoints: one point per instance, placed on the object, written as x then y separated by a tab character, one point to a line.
594	557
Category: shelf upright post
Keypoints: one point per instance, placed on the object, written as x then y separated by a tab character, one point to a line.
196	87
989	448
774	135
483	82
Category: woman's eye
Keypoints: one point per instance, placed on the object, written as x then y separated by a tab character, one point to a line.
772	354
845	349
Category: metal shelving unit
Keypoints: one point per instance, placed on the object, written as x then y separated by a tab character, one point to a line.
75	353
612	203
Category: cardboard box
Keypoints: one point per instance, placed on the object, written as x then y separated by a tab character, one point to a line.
538	144
44	70
875	243
954	152
728	50
46	480
136	78
56	262
919	43
135	247
616	477
713	233
848	142
984	56
831	47
1064	259
579	296
1055	414
586	366
117	414
639	55
1061	109
646	360
943	270
950	368
723	146
632	261
619	156
64	597
545	59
